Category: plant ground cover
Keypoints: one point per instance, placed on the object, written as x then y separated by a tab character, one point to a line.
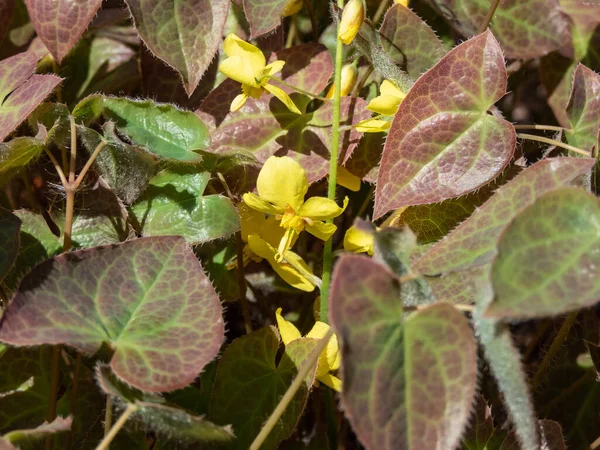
299	224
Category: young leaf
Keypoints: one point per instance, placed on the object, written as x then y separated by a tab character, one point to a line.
399	391
442	143
555	246
22	437
245	398
148	298
410	42
177	195
263	15
54	119
20	90
16	154
10	227
584	109
60	24
185	34
473	242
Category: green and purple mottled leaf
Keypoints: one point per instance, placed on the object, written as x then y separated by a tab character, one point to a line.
23	437
20	90
10	228
555	243
407	383
184	33
16	154
410	42
442	143
250	382
584	109
584	13
60	24
525	28
148	298
473	242
459	287
6	10
263	15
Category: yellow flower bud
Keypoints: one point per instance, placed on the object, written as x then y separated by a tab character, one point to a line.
401	2
349	74
292	7
352	18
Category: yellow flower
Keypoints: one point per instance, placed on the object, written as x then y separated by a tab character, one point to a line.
359	241
262	235
329	359
401	2
386	104
349	74
247	64
347	179
352	18
292	7
281	186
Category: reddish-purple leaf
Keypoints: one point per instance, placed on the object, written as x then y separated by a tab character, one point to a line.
584	109
410	42
60	23
584	13
263	15
148	298
473	242
20	90
442	142
407	384
184	33
6	10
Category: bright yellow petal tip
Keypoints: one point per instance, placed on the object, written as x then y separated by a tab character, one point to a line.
352	18
359	241
373	126
347	179
287	330
401	2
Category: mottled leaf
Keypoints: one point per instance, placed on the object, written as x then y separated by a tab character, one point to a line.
21	437
6	10
16	154
584	109
473	242
184	33
54	119
459	287
173	204
585	14
555	243
407	383
442	143
10	227
60	24
20	90
263	15
410	42
163	129
250	382
148	298
364	160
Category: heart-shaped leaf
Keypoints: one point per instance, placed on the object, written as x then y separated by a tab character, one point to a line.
442	142
20	90
473	242
177	195
60	24
555	244
263	15
410	42
584	109
184	33
10	227
399	391
148	298
246	398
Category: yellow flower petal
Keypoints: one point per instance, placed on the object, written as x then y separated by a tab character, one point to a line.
321	208
329	359
359	241
285	244
257	203
347	179
282	95
240	70
238	102
251	220
282	182
389	88
287	330
252	57
321	230
272	232
401	2
388	102
372	126
273	68
290	275
332	381
352	18
349	75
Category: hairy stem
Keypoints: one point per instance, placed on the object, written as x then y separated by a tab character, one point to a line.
105	444
88	164
333	163
303	371
301	91
540	127
533	137
489	16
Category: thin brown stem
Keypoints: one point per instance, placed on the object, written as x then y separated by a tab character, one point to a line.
363	80
539	127
53	391
594	445
105	444
533	137
382	8
69	212
88	164
489	16
366	201
291	33
73	160
73	400
108	415
242	282
59	171
313	19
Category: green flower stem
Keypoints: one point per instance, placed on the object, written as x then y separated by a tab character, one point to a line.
105	444
108	415
383	6
533	137
540	127
297	89
333	163
489	16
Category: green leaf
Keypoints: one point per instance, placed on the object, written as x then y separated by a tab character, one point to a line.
10	227
148	298
20	90
176	194
458	287
584	109
163	129
442	143
555	243
473	242
184	33
399	391
16	154
263	15
23	437
410	42
246	398
50	121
